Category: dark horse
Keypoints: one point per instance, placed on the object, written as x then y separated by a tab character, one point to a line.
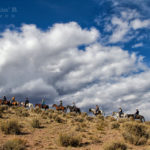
59	108
5	102
42	106
140	117
74	109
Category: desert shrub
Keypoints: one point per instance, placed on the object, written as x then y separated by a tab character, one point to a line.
35	123
59	120
37	110
51	110
45	114
95	140
79	119
22	112
84	114
54	115
110	118
72	114
79	128
1	115
122	120
15	144
11	127
83	125
89	118
115	125
100	117
115	146
135	133
3	107
101	125
69	139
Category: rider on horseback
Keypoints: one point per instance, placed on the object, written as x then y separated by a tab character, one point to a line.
74	106
97	109
13	100
43	102
4	99
61	104
136	113
120	112
26	101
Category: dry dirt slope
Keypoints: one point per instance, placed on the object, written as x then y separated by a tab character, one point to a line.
37	129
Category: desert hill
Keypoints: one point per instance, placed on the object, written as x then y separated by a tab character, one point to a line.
36	129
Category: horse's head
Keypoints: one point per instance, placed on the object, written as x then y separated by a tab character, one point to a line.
113	113
54	105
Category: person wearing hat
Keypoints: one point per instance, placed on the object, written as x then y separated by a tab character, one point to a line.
74	106
120	112
136	113
43	102
26	101
61	104
97	109
4	99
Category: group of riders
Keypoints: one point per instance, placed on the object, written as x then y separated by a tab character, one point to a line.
13	101
121	112
97	110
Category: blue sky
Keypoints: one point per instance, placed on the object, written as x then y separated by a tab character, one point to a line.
89	51
88	13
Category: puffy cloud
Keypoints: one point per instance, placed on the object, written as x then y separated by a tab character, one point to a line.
125	22
68	62
137	45
137	24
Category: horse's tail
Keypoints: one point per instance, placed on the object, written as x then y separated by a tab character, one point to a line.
143	119
103	113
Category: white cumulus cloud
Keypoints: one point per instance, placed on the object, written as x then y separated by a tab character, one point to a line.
52	64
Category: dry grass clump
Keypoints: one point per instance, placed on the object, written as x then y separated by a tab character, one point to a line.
79	119
3	107
115	125
15	144
35	123
11	127
1	115
115	145
110	118
72	114
100	117
59	119
84	114
135	133
22	112
69	139
89	118
101	125
37	110
45	114
122	120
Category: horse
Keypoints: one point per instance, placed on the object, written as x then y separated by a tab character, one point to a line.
123	115
42	106
96	113
2	102
140	117
28	105
74	109
59	108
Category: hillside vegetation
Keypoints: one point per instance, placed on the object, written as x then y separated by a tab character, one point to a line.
36	129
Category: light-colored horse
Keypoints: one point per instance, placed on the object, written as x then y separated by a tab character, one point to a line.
28	105
95	113
117	115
